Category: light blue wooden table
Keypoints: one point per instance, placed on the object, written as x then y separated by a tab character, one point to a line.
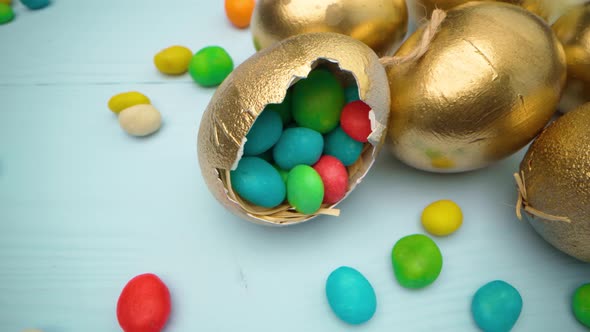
84	207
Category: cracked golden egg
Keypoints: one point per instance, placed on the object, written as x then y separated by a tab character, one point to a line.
424	8
573	30
381	24
554	183
487	84
264	79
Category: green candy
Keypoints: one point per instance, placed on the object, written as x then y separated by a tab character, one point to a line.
416	260
305	189
284	108
318	101
581	304
6	13
210	66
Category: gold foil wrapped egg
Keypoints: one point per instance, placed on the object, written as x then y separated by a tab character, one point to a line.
381	24
486	85
264	79
554	183
573	30
424	8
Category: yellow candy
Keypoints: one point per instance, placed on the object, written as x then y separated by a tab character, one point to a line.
173	60
442	218
127	99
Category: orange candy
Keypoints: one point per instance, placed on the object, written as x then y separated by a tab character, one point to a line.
239	12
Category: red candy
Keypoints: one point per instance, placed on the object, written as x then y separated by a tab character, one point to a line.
334	176
144	304
355	120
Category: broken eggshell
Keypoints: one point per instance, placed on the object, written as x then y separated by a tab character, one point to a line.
264	79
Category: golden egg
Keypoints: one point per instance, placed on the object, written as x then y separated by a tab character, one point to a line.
488	83
554	183
573	30
264	79
424	8
381	24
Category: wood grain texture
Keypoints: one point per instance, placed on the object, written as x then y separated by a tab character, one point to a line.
84	207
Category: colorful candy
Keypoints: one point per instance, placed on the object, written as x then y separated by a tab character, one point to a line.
442	218
210	66
140	120
496	307
284	108
258	182
417	261
305	190
350	295
144	304
125	100
173	60
265	132
318	101
35	4
581	304
6	13
340	145
355	121
335	178
239	12
298	146
351	93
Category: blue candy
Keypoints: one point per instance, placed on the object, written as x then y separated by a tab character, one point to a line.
298	146
35	4
350	295
265	132
338	144
258	182
351	93
496	307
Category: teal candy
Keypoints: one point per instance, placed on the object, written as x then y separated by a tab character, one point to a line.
265	132
351	93
496	306
318	101
284	108
258	182
35	4
298	146
350	295
338	144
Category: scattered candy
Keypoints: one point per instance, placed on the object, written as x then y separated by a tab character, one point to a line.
239	12
496	307
355	121
298	146
284	108
140	120
350	295
335	178
305	190
144	304
340	145
6	13
318	101
210	66
351	93
35	4
127	99
581	304
173	60
258	182
264	133
416	260
442	218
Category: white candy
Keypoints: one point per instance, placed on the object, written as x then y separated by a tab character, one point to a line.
140	120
